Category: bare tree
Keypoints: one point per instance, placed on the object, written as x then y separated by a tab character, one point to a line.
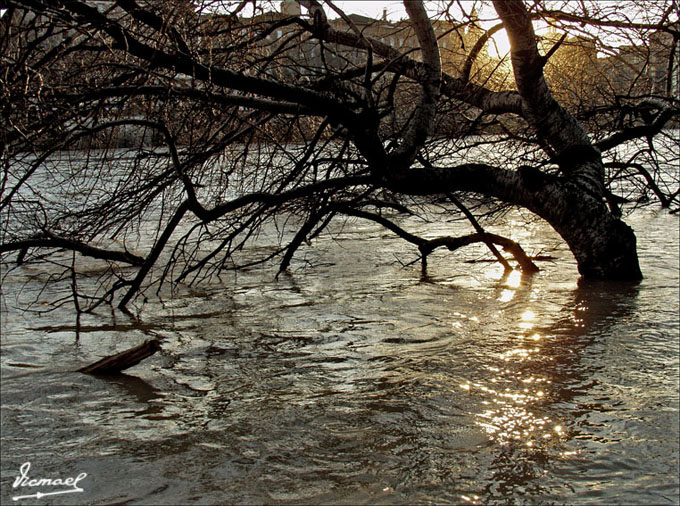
159	137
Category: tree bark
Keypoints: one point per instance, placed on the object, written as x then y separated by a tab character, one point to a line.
603	245
574	204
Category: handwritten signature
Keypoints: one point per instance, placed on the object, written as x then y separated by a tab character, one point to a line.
23	480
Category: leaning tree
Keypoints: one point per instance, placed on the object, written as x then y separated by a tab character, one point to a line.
159	138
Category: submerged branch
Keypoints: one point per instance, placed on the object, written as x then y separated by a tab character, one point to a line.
427	246
155	253
114	364
489	243
512	247
49	241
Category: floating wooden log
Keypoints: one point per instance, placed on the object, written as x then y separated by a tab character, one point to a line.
114	364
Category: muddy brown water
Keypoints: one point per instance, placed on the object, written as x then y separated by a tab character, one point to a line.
354	380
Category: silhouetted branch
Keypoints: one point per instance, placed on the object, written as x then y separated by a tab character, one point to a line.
480	231
427	246
154	254
50	241
664	199
665	114
476	49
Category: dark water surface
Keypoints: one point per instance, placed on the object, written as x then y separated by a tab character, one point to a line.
353	380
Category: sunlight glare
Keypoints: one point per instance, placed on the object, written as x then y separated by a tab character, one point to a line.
499	45
528	315
507	295
514	279
527	320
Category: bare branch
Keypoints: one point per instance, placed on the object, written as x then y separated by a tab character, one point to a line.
665	114
51	241
427	246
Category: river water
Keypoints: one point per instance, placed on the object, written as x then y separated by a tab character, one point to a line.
356	380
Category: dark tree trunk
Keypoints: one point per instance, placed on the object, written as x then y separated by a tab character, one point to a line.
603	245
574	204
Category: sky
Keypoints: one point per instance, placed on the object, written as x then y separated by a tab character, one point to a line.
374	9
395	8
499	45
395	11
635	11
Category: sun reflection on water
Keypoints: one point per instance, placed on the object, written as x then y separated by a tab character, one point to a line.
513	412
514	279
528	318
528	315
506	295
509	282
